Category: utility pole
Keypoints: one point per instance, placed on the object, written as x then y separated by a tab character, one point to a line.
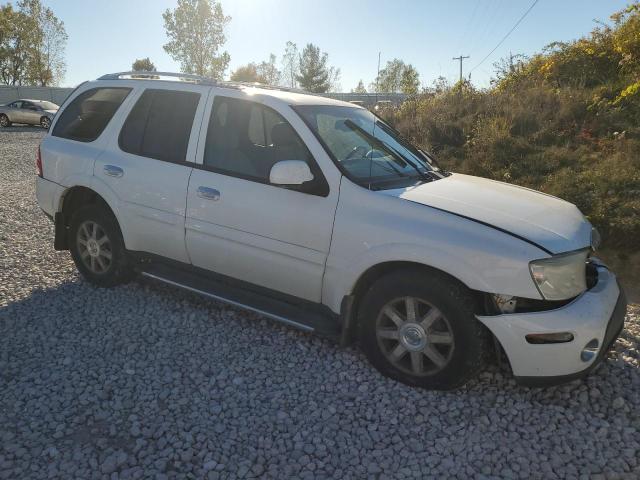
460	58
378	78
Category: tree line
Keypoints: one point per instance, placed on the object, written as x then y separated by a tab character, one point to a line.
32	45
195	29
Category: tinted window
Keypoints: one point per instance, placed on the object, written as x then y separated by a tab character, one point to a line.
88	114
159	125
15	104
246	139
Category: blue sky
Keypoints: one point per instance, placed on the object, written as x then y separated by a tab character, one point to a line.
106	36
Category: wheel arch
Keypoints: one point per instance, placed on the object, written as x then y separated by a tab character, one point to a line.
379	270
71	200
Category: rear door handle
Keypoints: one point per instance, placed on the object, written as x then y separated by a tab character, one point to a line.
113	171
208	193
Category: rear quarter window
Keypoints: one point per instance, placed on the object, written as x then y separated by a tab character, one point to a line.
86	117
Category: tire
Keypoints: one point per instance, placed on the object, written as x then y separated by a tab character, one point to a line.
444	321
45	123
103	263
4	121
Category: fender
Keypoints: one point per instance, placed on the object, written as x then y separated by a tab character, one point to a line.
485	272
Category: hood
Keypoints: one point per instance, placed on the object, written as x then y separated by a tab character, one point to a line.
51	112
549	222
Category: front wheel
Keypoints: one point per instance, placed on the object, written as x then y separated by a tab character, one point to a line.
4	121
419	328
97	247
45	123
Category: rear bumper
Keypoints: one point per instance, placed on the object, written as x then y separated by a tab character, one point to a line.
48	195
597	314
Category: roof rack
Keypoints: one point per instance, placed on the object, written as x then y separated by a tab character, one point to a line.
142	75
199	79
263	86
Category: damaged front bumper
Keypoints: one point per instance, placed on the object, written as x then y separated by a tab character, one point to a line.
595	315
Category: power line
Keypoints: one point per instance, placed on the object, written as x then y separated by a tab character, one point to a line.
507	35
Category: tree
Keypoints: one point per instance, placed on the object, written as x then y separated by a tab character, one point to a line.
143	65
410	80
47	42
245	73
196	32
32	43
360	88
314	73
290	64
14	27
267	71
398	76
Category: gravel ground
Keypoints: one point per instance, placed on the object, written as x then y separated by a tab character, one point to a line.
145	381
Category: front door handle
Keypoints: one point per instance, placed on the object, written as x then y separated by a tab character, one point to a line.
113	171
209	193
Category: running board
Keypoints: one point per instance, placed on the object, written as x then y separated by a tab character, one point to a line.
297	316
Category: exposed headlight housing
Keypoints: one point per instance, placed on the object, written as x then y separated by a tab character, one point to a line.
561	276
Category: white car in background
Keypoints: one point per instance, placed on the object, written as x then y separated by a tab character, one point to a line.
28	112
318	214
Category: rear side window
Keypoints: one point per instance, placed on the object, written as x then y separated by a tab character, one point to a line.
159	125
88	114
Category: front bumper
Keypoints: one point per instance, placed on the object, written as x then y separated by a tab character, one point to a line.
598	314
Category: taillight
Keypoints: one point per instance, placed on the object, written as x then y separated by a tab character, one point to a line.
39	163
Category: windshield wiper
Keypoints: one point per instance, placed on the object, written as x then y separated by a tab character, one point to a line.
379	144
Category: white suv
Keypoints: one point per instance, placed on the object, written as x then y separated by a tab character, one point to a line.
318	214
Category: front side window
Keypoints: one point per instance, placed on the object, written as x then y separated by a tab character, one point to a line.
365	148
245	139
159	125
85	118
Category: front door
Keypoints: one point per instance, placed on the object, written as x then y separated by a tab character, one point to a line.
148	166
30	113
238	223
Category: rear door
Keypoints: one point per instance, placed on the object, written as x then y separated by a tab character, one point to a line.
148	165
238	223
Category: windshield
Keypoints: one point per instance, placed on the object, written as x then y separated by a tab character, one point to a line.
47	105
366	149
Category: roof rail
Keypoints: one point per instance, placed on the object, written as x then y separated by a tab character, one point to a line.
143	75
187	77
263	86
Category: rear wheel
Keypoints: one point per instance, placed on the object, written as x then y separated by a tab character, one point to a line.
420	329
4	121
97	247
45	123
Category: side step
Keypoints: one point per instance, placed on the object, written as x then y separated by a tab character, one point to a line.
307	317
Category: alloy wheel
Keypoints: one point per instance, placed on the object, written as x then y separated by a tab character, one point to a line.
94	247
414	336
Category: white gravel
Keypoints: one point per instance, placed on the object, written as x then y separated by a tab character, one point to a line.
144	381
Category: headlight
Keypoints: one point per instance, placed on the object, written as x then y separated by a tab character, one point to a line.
562	276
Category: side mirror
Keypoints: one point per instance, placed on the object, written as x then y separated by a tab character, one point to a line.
290	172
